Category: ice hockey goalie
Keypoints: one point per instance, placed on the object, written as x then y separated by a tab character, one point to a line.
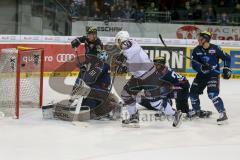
91	97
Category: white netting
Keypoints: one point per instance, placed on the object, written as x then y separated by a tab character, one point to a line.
30	72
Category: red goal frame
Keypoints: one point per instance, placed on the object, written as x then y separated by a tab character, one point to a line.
18	76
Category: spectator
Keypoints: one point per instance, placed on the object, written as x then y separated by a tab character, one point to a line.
83	10
73	10
151	12
190	14
108	2
187	5
222	3
113	12
140	15
237	7
197	13
224	19
127	10
210	15
152	8
175	15
95	11
106	7
118	12
189	10
133	12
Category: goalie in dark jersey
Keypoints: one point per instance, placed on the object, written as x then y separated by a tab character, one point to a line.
93	46
95	72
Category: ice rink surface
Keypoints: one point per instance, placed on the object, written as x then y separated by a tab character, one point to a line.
32	138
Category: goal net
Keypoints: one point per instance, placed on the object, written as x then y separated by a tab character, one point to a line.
21	79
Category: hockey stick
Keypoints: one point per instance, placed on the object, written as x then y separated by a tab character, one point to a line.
166	47
78	57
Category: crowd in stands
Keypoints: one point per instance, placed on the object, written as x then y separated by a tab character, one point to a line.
205	11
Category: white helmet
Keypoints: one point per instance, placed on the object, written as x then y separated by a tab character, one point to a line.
121	36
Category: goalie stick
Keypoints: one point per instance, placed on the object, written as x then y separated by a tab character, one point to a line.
166	47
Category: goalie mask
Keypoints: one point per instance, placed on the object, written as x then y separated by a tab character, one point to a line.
103	56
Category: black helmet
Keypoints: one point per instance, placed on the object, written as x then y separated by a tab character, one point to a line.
206	35
160	60
91	30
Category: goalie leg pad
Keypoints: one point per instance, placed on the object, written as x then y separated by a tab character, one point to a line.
63	111
47	111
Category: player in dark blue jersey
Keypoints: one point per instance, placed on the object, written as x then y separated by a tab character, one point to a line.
102	80
96	74
180	86
93	46
91	42
205	62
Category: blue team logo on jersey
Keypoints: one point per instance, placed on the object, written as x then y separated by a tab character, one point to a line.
205	59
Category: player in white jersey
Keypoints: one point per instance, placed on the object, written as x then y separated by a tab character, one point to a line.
144	77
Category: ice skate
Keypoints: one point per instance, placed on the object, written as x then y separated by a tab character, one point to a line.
177	119
132	122
199	114
222	118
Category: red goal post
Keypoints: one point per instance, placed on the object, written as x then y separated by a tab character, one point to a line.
21	80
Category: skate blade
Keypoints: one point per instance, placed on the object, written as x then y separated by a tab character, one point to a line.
179	123
136	125
222	123
207	116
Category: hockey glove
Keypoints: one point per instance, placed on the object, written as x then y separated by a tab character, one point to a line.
75	43
206	69
122	69
83	67
120	59
227	72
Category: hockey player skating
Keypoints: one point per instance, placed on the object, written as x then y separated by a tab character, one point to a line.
144	77
207	74
180	86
